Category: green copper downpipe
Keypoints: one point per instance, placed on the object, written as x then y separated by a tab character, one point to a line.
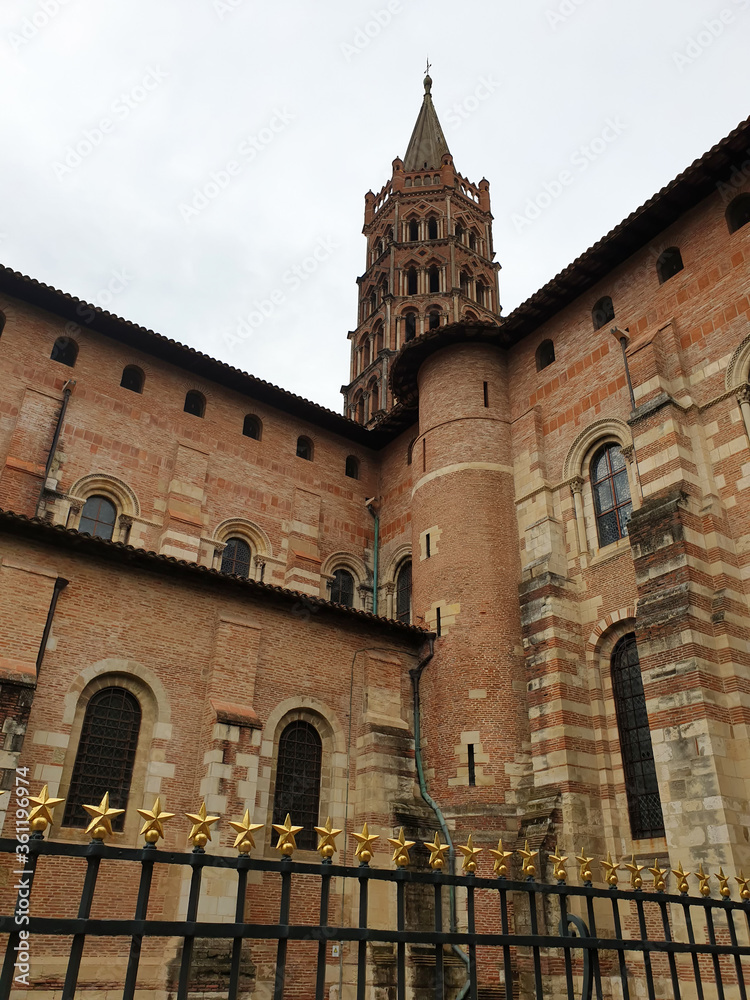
370	506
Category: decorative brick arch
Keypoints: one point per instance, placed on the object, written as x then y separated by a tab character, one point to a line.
738	369
599	431
241	527
604	627
122	668
110	486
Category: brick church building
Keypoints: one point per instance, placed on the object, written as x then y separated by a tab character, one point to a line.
526	541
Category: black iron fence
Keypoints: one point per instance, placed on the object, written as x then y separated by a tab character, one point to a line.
518	936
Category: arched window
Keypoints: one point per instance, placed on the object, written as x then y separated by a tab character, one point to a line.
410	326
434	320
132	378
668	264
352	467
195	403
603	312
251	427
373	302
342	588
411	281
432	229
641	785
410	451
459	232
738	212
472	240
545	354
236	557
98	517
434	279
413	230
359	408
612	504
304	448
297	792
106	754
65	350
479	293
464	283
403	593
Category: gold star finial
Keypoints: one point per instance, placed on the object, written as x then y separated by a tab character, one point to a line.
470	854
102	816
365	840
437	853
528	867
155	819
635	872
743	884
703	877
584	871
287	843
682	879
723	881
202	823
40	817
558	859
327	843
660	882
500	867
611	868
401	849
244	842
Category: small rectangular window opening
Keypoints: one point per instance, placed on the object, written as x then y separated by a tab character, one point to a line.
424	455
472	770
486	395
437	625
427	553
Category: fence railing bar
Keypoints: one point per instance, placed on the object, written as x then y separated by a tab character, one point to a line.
400	946
620	954
672	960
737	959
594	952
564	929
84	911
141	911
471	923
715	958
694	954
507	964
362	925
239	917
439	970
281	948
27	876
646	955
192	914
320	973
534	924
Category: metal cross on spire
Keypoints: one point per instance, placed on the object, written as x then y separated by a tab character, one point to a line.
427	68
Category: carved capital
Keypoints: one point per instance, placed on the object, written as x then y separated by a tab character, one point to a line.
260	560
125	521
76	505
628	452
576	485
218	547
390	588
743	394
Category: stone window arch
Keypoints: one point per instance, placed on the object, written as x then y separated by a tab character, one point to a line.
589	484
255	548
281	790
114	719
334	585
84	512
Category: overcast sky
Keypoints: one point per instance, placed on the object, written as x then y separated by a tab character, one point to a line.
185	162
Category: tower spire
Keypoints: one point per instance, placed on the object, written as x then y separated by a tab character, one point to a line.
427	144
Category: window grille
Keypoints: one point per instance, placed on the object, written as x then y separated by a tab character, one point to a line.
298	780
403	594
641	785
612	503
342	588
98	517
106	754
235	558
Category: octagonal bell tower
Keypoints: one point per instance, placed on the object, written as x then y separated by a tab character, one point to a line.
430	262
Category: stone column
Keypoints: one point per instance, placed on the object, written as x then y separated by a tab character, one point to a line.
743	398
576	488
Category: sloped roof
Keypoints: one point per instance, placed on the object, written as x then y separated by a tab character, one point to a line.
427	143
